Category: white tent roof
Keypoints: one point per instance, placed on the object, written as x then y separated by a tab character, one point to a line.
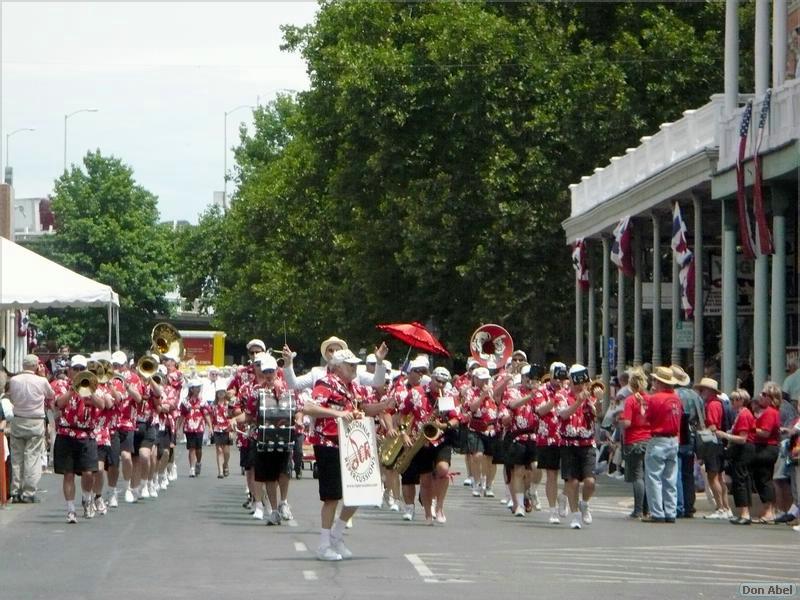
29	280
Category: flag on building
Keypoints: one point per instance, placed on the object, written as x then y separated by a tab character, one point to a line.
763	237
745	228
685	260
579	263
621	254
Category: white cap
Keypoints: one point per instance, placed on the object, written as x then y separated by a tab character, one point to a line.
267	362
344	356
471	362
119	358
220	386
441	374
371	359
78	361
418	363
524	356
557	369
171	357
195	383
162	370
101	355
256	342
423	358
481	373
578	374
526	370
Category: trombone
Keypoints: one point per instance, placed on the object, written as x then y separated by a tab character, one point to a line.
84	383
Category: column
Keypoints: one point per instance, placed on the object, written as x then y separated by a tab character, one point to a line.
656	358
728	295
675	354
780	202
637	296
760	321
779	37
620	322
578	321
699	352
731	56
762	49
604	366
591	335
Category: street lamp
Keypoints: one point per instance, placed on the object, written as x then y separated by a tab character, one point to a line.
225	168
8	135
82	110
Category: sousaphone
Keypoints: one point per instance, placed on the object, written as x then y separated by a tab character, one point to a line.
166	340
491	345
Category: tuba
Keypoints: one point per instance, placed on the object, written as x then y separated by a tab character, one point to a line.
84	383
491	345
166	339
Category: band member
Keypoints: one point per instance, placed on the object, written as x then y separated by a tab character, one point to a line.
327	349
336	395
442	398
577	413
221	430
168	423
246	374
479	404
548	438
460	383
127	385
195	418
103	421
522	426
75	449
144	438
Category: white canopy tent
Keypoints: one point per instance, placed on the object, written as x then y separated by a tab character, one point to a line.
30	281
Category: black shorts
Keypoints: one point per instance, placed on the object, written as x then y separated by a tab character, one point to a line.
163	441
577	462
194	440
125	441
712	456
245	460
425	462
268	466
330	473
521	453
549	457
74	456
500	447
222	438
480	443
109	455
144	437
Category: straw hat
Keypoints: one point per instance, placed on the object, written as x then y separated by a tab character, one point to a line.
680	375
708	383
664	375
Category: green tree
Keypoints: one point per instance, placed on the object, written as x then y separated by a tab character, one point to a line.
107	229
199	251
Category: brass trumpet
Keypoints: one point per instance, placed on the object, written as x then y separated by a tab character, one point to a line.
97	368
146	367
84	383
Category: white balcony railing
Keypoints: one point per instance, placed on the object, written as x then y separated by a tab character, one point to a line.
696	131
782	127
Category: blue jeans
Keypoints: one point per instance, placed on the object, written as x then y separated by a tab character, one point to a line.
661	476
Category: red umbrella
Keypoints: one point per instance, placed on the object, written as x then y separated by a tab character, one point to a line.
415	335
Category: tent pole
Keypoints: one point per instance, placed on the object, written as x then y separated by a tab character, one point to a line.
110	318
116	313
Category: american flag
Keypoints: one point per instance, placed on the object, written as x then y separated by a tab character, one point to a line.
579	263
745	229
685	259
763	242
621	254
686	277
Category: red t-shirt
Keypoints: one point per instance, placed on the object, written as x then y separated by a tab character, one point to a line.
769	420
639	429
744	423
714	412
664	410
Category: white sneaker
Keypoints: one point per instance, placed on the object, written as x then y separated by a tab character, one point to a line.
468	482
586	515
191	471
286	512
88	509
408	513
488	493
537	505
274	518
575	523
340	549
113	502
153	489
476	491
440	518
394	506
796	528
72	517
328	553
520	512
144	494
349	524
129	497
509	504
717	514
562	505
554	520
172	472
433	506
163	482
729	514
258	513
100	506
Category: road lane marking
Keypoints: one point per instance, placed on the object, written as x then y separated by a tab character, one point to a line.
300	547
309	575
419	565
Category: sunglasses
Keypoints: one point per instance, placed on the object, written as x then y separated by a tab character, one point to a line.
420	371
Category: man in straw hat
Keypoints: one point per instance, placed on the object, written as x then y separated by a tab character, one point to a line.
663	412
691	421
327	350
711	452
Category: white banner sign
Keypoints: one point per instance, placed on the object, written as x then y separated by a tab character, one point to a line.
358	459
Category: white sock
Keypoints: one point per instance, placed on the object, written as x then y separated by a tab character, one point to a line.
534	489
86	497
258	505
794	510
520	499
576	516
337	531
70	506
410	508
324	538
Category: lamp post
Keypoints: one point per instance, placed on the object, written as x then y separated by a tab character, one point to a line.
82	110
8	135
225	167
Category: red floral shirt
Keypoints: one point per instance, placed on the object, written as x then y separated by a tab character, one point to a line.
577	429
220	413
549	432
482	419
194	411
524	422
77	418
332	392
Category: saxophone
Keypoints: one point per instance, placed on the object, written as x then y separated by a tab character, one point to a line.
429	432
392	446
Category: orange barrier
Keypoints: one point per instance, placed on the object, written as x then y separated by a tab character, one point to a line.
3	482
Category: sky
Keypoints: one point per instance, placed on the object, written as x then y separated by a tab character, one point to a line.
161	76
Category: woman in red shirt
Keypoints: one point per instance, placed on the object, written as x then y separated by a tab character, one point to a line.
635	438
740	454
765	435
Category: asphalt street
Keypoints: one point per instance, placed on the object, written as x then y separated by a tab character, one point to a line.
196	541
